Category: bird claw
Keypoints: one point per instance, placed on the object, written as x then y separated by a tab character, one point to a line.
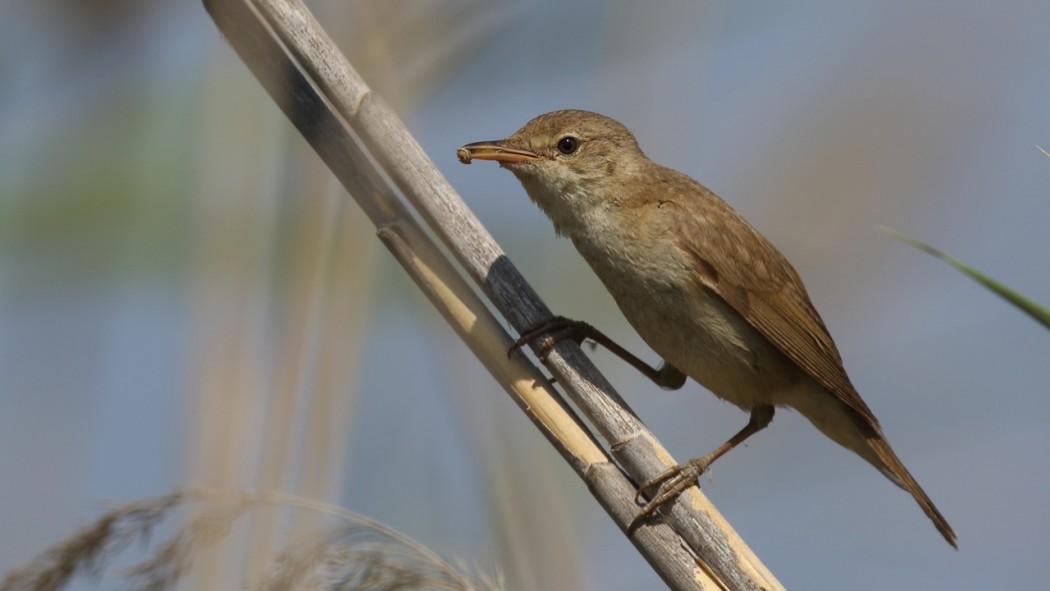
670	485
552	331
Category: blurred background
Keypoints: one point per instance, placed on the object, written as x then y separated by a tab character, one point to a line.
188	298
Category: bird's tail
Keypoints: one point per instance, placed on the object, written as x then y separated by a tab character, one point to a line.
890	465
861	434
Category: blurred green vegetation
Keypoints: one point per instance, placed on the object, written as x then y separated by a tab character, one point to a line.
102	195
1040	313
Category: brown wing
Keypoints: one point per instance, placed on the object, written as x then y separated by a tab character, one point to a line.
748	272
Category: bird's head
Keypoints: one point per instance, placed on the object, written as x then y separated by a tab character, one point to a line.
569	162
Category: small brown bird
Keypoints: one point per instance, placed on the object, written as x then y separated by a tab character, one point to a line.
702	287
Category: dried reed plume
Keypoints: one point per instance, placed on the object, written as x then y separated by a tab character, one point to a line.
361	554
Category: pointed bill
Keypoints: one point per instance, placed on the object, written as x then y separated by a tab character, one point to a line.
494	150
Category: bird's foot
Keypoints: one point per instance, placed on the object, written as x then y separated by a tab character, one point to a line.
551	332
670	485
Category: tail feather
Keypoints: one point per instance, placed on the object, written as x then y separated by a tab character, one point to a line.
895	471
859	433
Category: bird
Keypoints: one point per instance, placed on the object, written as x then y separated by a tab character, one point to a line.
699	284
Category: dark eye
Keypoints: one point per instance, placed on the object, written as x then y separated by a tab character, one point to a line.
568	145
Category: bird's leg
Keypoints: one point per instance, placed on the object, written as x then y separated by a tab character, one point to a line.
560	328
678	479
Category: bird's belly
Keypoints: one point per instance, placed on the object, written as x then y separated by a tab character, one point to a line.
697	332
687	324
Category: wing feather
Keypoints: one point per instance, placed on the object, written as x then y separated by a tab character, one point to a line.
750	274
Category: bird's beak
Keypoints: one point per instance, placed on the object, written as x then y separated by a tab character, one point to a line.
494	150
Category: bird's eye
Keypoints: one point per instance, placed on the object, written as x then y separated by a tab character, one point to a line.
568	145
